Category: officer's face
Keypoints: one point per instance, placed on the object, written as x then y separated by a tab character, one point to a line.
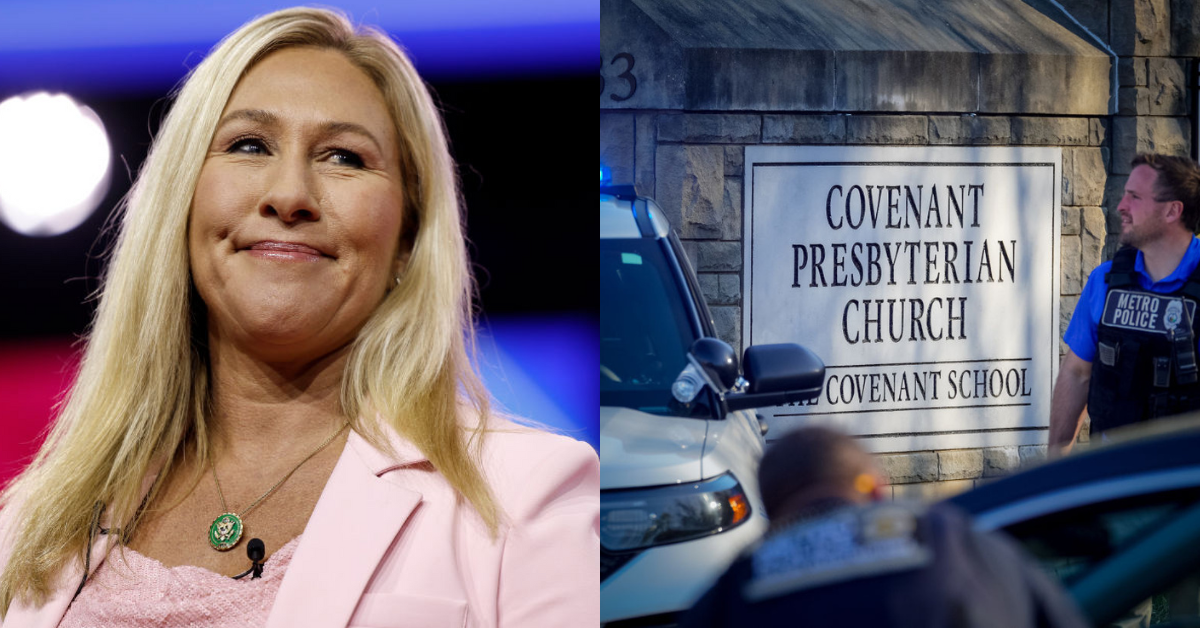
1143	218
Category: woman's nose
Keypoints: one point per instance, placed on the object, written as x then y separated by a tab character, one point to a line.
290	195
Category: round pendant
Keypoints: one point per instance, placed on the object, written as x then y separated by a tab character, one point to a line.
225	531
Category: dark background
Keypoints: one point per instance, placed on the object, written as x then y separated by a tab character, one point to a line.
520	158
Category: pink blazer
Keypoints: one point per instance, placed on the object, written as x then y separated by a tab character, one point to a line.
390	544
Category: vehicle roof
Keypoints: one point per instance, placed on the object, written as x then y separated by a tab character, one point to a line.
620	211
1165	450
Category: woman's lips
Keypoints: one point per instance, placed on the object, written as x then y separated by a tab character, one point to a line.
284	251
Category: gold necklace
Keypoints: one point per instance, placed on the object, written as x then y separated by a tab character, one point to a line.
226	530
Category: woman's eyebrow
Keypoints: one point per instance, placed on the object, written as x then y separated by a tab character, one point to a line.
328	129
325	129
265	118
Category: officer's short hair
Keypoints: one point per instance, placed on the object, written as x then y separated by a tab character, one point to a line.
809	458
1178	180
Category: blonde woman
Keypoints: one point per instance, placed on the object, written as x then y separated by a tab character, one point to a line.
276	385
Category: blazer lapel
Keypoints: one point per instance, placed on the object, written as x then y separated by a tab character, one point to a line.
354	523
51	613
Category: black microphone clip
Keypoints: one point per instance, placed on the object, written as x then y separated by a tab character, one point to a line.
255	550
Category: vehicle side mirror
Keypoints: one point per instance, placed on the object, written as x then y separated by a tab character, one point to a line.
719	362
778	374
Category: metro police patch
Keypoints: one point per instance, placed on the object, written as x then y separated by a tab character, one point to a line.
1142	311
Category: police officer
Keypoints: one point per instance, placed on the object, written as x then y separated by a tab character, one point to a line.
839	554
1132	338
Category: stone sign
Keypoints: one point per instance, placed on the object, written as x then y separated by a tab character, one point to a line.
927	279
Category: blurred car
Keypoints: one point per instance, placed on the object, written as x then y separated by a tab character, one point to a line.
1118	523
679	441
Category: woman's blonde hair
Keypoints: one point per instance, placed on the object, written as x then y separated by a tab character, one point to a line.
141	395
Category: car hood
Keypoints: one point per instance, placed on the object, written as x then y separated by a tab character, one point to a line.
640	449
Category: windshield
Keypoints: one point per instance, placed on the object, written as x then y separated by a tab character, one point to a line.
644	329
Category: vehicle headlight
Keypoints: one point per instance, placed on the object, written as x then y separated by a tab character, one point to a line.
638	518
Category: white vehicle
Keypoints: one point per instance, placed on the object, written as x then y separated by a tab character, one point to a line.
679	440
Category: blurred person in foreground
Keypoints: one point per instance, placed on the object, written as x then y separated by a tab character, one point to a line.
280	361
1132	339
839	554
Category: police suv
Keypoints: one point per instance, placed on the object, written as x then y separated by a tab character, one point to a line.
679	440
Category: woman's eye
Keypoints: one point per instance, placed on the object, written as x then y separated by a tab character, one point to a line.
346	158
248	146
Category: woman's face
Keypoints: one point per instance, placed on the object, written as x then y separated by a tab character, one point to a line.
296	219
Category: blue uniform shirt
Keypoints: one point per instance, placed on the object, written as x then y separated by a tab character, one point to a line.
1081	333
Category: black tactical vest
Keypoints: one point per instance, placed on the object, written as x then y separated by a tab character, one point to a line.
1145	365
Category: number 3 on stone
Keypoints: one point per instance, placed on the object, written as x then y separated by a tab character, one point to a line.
627	75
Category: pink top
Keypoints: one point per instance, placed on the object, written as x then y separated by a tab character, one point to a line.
140	591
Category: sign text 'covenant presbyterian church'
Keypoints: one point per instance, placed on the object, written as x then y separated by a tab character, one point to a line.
925	278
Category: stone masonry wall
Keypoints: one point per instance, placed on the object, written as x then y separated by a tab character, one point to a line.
1156	42
692	164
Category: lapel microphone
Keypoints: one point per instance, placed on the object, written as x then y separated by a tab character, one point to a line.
255	550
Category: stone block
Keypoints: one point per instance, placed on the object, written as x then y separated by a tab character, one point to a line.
617	146
1050	131
639	62
1140	27
1097	131
728	321
1131	71
1045	84
1133	101
718	256
999	461
710	128
646	144
1072	275
1092	237
1114	189
1032	455
803	129
709	287
989	130
948	130
735	160
720	289
731	223
1068	177
729	288
921	466
692	252
1167	87
690	188
1168	136
960	464
737	78
879	80
1087	175
1066	308
887	130
931	491
1070	220
1185	28
969	130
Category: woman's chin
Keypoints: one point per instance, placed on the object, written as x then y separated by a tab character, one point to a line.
285	337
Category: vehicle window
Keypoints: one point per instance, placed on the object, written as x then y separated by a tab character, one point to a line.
645	331
1068	544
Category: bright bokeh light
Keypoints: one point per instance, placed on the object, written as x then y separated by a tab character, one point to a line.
54	163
